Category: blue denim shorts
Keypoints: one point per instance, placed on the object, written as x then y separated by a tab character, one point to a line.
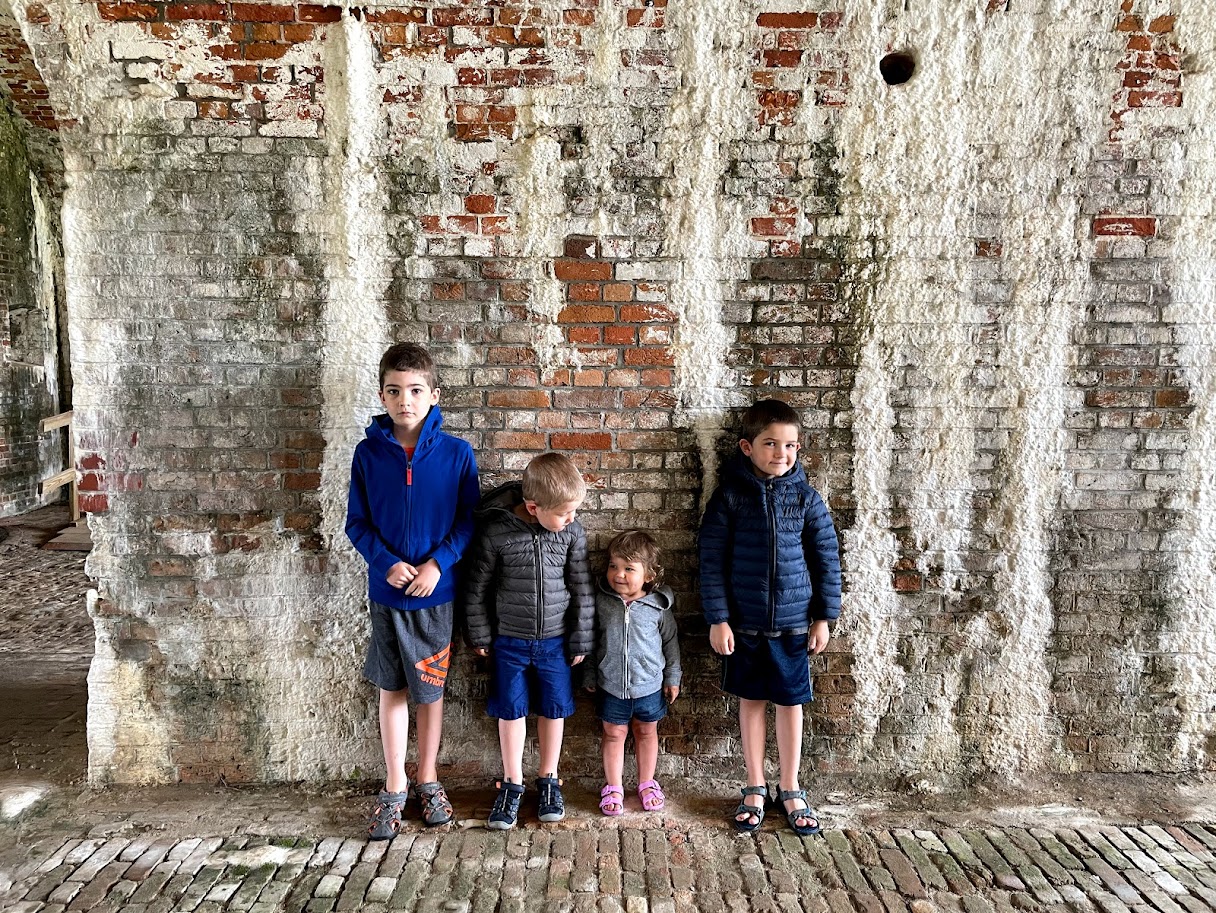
621	710
530	676
775	669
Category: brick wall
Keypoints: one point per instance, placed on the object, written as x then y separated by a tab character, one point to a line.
616	223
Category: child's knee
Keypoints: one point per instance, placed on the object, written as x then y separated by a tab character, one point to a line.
614	732
644	732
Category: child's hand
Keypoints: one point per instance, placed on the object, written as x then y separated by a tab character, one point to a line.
722	638
482	651
400	574
818	637
574	661
590	688
671	692
425	579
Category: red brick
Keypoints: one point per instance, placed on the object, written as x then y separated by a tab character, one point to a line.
582	247
655	355
262	12
586	313
618	335
416	15
448	291
657	377
37	14
518	399
1162	24
1171	399
618	291
906	582
592	270
211	12
585	291
777	100
495	225
298	33
517	440
510	355
989	248
647	313
314	13
578	17
582	335
94	504
1126	226
589	378
446	18
768	226
787	20
590	440
265	51
1129	24
782	59
468	76
126	12
301	481
479	203
1154	99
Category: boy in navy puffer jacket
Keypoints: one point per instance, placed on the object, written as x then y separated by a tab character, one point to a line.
770	583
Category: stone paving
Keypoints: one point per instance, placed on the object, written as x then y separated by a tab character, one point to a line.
665	866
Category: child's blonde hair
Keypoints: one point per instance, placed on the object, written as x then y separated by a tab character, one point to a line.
552	480
635	545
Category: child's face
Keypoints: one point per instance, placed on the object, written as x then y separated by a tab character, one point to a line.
554	519
628	578
408	398
774	451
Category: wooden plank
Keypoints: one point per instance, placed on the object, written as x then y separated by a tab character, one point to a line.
59	478
55	421
71	539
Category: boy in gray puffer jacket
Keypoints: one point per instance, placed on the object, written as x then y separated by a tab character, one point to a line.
529	606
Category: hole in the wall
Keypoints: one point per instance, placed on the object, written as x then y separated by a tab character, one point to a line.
897	68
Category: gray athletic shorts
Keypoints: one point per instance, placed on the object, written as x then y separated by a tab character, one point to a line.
410	650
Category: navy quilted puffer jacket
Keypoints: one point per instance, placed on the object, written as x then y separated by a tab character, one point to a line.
770	561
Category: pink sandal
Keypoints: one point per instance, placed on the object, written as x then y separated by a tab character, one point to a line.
651	795
612	801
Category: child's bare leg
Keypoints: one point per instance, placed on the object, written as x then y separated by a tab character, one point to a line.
646	747
752	732
612	747
789	751
394	733
511	735
549	735
430	727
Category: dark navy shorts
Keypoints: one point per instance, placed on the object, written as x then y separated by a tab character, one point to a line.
410	650
620	710
774	669
530	676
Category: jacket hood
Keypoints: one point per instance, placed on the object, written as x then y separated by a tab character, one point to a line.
380	431
661	597
740	468
503	499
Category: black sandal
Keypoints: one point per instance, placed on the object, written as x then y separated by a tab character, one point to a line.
436	807
744	809
802	830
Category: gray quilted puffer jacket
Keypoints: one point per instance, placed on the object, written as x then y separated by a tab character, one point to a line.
521	580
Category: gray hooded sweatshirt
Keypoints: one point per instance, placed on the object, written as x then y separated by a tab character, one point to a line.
636	649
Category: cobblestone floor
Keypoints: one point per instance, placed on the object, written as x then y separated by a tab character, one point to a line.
1114	844
667	867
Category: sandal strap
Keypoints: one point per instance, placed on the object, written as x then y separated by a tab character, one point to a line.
434	798
611	790
755	791
787	794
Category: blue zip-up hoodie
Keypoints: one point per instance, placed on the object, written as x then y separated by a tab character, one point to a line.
411	510
770	560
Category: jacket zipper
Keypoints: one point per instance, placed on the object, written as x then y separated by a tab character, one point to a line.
628	684
772	556
540	584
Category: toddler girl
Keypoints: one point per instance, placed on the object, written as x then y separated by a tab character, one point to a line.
637	665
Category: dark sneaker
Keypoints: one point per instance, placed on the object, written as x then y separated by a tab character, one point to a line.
386	817
551	806
505	812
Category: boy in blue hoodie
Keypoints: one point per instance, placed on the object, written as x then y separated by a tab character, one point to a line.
410	515
770	584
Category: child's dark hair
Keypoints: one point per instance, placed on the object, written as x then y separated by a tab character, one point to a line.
408	356
768	412
635	545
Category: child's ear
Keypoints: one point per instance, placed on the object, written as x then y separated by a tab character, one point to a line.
746	446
